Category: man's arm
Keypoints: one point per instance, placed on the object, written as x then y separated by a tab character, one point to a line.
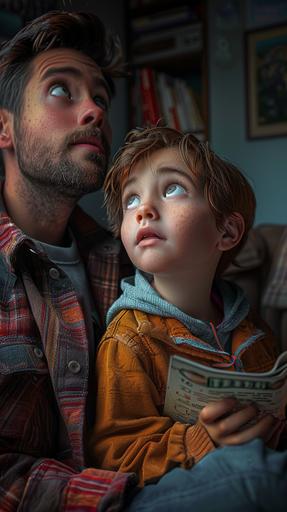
28	484
38	471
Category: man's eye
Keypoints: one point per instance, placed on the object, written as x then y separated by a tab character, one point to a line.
60	91
132	202
174	190
101	102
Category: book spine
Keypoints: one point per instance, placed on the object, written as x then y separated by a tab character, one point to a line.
198	121
165	84
136	118
163	20
181	107
150	106
194	119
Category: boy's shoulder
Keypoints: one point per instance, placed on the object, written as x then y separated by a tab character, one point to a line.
133	324
131	328
265	351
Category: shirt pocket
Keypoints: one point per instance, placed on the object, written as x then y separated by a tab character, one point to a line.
21	355
26	398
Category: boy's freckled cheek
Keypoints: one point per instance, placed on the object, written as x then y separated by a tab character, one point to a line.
180	219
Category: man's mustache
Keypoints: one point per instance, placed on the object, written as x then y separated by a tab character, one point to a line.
89	132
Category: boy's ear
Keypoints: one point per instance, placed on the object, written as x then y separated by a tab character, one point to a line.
232	231
6	140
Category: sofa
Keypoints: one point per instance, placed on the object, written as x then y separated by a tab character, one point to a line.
260	270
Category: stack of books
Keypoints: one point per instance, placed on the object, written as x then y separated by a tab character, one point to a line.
158	96
171	32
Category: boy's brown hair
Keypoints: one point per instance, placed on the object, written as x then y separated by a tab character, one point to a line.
221	183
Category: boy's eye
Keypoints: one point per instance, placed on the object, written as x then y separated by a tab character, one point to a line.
174	190
101	102
132	202
60	91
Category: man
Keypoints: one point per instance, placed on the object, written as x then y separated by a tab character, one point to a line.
59	273
56	87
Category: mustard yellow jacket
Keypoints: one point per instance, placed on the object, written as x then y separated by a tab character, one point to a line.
130	433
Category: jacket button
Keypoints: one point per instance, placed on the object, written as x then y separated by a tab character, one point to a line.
54	273
74	366
38	352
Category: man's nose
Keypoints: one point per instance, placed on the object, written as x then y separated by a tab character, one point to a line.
90	113
146	211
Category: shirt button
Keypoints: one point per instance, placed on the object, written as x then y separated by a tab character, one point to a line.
74	366
38	352
54	273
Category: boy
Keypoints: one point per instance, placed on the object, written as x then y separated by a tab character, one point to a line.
183	214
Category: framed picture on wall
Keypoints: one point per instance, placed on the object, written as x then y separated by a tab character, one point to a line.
266	81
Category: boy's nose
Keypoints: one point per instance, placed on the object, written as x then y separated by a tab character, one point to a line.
146	211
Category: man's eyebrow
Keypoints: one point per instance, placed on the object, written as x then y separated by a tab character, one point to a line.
70	70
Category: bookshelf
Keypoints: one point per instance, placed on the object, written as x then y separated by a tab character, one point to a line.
166	41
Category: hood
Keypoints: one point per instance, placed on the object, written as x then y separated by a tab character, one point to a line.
139	294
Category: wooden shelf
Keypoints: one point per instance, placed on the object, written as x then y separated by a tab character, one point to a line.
168	38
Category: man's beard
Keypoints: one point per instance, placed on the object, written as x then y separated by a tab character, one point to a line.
57	172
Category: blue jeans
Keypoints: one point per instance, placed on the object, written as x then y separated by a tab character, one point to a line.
243	478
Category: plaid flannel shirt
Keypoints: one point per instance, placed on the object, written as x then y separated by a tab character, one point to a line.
44	368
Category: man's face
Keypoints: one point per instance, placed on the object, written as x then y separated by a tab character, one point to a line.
62	137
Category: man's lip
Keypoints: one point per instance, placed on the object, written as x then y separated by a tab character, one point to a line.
89	141
145	233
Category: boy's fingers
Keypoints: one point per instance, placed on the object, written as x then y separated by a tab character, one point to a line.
237	420
213	411
260	429
274	432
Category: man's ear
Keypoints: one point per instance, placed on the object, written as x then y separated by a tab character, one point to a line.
232	231
6	140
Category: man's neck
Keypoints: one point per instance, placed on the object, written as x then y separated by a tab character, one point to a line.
40	215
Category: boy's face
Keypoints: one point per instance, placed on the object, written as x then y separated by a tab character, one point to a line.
167	226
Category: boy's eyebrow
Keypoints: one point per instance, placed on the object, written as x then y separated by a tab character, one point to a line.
162	169
166	169
71	70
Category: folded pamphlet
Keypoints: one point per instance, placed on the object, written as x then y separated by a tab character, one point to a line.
191	386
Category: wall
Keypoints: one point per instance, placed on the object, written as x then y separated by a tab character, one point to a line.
264	161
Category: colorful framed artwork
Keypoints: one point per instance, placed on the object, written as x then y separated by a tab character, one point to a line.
266	81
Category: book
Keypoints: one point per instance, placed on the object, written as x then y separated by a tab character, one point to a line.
191	386
150	104
136	113
151	47
184	121
191	117
163	19
186	97
167	100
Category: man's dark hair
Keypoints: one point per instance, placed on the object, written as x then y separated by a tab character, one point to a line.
80	31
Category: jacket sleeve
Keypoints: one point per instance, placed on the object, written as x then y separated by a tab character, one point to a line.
130	434
47	485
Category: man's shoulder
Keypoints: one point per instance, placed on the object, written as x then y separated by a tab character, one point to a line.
86	228
92	236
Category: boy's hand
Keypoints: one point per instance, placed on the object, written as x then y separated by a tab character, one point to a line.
227	423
